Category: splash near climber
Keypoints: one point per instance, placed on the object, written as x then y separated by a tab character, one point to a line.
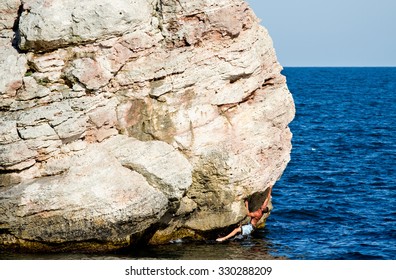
254	218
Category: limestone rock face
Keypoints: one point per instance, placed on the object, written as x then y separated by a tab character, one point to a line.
50	24
112	206
8	13
134	121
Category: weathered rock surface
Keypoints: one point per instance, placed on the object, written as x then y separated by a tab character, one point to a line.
50	24
112	206
8	13
125	121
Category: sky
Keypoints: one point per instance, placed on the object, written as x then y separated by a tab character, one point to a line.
331	32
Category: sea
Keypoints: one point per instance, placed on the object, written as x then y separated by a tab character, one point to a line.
337	197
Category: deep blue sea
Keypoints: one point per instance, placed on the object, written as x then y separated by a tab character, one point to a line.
337	197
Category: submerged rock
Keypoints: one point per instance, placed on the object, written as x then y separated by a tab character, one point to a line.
135	121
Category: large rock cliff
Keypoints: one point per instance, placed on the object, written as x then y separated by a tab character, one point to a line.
134	121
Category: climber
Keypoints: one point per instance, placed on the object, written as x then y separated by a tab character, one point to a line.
254	218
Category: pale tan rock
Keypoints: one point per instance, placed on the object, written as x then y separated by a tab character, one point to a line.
92	73
8	132
195	89
104	133
54	114
16	153
9	179
49	25
13	66
49	66
105	115
163	167
72	129
42	131
8	13
57	209
187	206
31	89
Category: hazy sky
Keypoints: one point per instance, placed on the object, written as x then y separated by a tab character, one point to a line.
331	32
